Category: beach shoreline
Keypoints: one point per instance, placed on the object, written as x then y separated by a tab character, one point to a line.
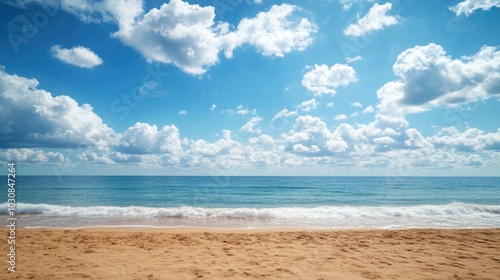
276	253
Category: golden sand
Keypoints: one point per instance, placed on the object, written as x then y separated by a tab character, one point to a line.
254	254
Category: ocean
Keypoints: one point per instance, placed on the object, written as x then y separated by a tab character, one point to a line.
256	202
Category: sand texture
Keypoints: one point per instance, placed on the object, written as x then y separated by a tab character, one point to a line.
254	254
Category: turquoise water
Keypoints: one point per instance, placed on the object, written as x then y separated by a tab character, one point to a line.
258	202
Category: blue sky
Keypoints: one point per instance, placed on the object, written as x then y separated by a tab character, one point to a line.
248	87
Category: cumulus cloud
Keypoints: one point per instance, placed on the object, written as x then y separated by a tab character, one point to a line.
182	112
251	125
468	7
325	80
223	147
472	139
310	136
308	105
369	110
213	107
30	155
178	33
273	33
187	36
376	19
428	78
78	56
143	138
31	117
340	117
284	114
122	12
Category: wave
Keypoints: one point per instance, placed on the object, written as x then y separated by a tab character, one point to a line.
452	211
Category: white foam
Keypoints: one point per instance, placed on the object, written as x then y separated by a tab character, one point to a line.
449	215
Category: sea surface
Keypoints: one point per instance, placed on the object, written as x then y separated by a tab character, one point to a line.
256	202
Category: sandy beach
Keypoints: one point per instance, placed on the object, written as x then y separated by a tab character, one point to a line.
109	253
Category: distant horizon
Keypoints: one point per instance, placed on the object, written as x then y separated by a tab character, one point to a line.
229	176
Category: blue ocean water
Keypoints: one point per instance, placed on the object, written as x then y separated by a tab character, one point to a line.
257	202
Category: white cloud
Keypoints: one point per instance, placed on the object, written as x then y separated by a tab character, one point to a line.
273	33
213	107
284	114
31	117
329	105
376	19
353	59
308	105
468	7
226	149
33	124
263	139
357	104
369	110
429	78
240	110
30	155
472	139
311	137
78	56
187	36
347	4
251	125
324	80
178	33
143	138
182	112
122	12
340	117
384	140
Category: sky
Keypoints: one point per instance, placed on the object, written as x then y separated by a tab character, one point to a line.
250	87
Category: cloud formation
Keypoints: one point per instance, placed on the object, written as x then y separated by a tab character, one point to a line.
79	56
143	138
468	7
428	78
31	156
284	114
308	105
325	80
31	117
251	125
187	36
272	33
178	33
376	19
